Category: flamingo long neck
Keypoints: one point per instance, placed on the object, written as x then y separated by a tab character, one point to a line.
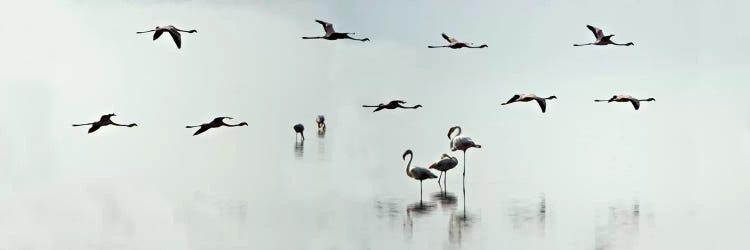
457	133
408	165
230	125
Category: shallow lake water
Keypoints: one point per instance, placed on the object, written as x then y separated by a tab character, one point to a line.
332	192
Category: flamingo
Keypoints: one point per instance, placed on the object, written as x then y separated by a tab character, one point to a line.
332	34
105	120
217	122
455	44
445	163
391	105
321	121
418	173
299	129
173	31
601	39
626	98
529	97
461	142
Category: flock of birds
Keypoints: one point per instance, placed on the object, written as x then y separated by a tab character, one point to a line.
457	140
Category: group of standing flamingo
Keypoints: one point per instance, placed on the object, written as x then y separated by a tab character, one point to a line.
445	163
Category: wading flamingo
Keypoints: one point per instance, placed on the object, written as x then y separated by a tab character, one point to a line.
418	173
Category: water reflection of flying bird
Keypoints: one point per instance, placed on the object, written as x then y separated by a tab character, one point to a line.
448	201
105	120
601	39
391	105
530	97
418	173
174	32
332	34
626	98
217	122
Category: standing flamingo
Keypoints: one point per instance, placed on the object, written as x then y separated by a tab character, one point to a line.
332	34
601	39
626	98
391	105
217	122
418	173
173	31
461	142
104	121
455	44
299	129
445	163
529	97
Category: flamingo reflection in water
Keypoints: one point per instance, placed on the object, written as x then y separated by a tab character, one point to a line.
299	149
416	209
620	229
460	222
528	217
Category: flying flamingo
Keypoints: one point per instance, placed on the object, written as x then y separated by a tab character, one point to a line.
217	122
455	44
299	129
445	163
418	173
173	31
104	121
601	39
391	105
332	34
461	142
530	97
321	121
626	98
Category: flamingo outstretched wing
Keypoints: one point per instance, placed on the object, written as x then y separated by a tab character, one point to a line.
542	104
449	39
636	103
597	31
157	34
176	37
514	98
203	128
94	127
327	26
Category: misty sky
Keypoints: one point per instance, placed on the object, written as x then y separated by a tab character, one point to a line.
65	62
